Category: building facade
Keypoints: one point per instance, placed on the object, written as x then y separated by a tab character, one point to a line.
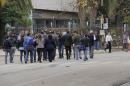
57	14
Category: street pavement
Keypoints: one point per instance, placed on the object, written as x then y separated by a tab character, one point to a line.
104	70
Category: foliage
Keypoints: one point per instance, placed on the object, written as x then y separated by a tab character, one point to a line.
25	22
112	5
13	13
86	9
2	3
124	7
127	19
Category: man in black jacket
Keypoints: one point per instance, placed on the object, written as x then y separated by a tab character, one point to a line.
50	47
7	49
68	44
91	44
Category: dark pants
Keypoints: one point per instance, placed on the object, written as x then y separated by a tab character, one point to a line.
50	54
7	51
125	46
109	46
22	54
54	54
91	51
44	54
35	54
68	52
39	52
29	51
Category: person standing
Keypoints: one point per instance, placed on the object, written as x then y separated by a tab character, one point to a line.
125	41
13	40
7	49
55	37
40	47
50	47
35	48
76	42
28	46
91	45
60	46
97	41
21	47
108	42
84	41
44	37
68	44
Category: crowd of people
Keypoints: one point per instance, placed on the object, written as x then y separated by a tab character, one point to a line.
42	46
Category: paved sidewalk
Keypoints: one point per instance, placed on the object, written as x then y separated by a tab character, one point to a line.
104	70
127	84
2	53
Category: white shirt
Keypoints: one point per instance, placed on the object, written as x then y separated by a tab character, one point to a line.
108	38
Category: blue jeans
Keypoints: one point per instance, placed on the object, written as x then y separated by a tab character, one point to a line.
76	52
8	51
61	51
29	51
85	53
97	45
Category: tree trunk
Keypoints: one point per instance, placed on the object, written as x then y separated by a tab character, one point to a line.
82	17
2	33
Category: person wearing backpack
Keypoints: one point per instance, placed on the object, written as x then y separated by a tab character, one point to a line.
7	49
28	46
50	47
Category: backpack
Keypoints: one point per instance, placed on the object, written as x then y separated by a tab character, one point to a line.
29	43
7	44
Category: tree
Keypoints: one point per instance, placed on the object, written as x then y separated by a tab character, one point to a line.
11	11
86	8
124	10
25	22
2	3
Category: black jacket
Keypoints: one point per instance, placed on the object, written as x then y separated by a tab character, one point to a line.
50	43
7	44
91	38
85	41
20	43
67	40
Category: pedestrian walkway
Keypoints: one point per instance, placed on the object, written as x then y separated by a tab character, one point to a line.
127	84
2	53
